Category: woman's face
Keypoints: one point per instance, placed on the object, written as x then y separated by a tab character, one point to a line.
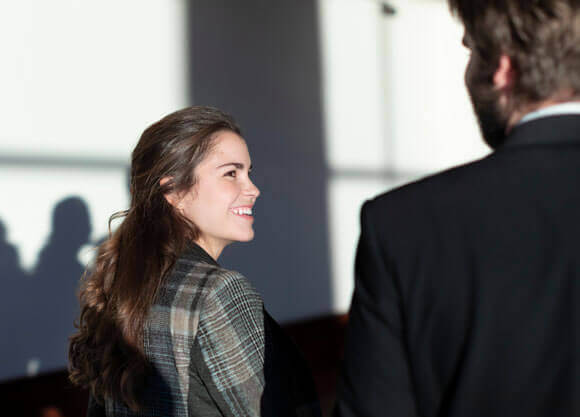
220	203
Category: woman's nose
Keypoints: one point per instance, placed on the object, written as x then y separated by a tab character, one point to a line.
252	190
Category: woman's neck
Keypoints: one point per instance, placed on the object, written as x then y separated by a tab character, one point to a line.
213	248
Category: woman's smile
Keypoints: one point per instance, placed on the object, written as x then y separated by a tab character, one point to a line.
244	212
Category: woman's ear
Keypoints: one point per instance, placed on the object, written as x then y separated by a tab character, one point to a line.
171	197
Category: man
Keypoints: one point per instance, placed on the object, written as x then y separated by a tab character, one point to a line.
467	293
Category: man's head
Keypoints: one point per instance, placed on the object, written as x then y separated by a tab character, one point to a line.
524	54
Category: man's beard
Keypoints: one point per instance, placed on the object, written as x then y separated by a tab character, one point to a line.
492	123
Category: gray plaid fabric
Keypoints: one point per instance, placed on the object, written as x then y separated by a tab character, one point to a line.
216	352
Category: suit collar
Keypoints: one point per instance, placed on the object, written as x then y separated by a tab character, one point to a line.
568	107
553	130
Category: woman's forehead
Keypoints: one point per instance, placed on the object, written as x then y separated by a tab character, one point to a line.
228	147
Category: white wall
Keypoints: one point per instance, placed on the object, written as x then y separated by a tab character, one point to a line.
79	82
395	109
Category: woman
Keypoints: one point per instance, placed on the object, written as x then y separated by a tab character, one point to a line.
164	330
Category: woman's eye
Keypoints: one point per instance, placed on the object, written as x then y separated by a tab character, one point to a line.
231	174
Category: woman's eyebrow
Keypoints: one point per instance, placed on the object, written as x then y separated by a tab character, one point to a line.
237	165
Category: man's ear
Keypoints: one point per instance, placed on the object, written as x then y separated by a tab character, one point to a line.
171	197
503	79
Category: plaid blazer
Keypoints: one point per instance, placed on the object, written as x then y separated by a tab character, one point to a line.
215	351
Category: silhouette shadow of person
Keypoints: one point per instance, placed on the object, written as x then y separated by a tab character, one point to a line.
14	283
9	259
56	281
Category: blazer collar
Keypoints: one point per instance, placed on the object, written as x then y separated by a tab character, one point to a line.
551	130
194	252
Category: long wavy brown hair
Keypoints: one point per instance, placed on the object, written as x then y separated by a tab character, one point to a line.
106	355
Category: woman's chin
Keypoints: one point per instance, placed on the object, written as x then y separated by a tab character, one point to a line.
247	237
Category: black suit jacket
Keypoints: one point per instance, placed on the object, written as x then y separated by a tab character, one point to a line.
466	299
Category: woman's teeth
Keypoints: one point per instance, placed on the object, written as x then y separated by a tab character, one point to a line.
243	210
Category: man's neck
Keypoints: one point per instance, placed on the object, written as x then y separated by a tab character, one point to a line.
522	113
518	115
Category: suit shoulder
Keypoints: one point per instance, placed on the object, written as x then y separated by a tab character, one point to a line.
452	184
439	199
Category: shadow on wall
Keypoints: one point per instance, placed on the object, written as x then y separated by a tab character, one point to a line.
39	310
14	306
260	61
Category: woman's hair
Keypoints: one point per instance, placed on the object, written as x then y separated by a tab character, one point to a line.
541	37
106	355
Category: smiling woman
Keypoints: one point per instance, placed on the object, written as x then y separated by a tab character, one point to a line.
220	204
164	330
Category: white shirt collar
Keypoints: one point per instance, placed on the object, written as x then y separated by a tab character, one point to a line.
571	107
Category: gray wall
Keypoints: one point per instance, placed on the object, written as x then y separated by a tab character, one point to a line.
260	61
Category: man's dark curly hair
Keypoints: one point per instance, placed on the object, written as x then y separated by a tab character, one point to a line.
541	37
